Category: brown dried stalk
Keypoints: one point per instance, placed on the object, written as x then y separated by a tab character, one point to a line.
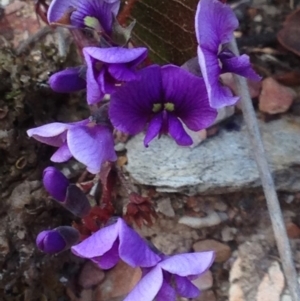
278	225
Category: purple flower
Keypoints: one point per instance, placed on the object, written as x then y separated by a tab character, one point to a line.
90	143
170	276
107	67
57	240
112	243
67	194
98	14
215	23
163	98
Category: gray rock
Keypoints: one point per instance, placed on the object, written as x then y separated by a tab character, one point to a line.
223	163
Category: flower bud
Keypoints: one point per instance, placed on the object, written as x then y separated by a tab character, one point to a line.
68	195
57	240
55	183
68	80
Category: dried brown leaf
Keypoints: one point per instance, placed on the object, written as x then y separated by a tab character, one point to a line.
165	27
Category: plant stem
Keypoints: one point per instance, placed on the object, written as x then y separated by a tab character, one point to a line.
278	225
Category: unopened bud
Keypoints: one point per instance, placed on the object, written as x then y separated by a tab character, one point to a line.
68	195
55	183
57	240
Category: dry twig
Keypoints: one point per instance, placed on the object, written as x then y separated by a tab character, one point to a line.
267	184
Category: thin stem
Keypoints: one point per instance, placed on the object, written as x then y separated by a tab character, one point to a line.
61	42
278	225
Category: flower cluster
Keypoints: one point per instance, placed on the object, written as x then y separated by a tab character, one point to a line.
160	100
156	99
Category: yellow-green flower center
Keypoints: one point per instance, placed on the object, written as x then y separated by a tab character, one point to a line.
168	106
156	107
92	22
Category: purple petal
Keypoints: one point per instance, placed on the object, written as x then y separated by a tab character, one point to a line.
58	8
218	95
154	127
98	243
239	65
188	93
67	81
52	134
116	55
62	154
189	263
166	293
177	131
110	258
106	81
215	23
91	146
148	287
122	73
131	105
55	183
50	241
93	89
130	241
185	287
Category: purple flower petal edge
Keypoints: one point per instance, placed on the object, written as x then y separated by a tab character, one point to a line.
218	95
215	23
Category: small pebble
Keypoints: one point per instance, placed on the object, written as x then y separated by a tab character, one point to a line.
204	282
165	207
223	251
228	233
258	18
212	219
275	98
120	146
90	275
220	206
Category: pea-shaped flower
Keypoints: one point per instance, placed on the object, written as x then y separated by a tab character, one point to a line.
108	67
90	143
172	276
162	101
105	70
114	242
